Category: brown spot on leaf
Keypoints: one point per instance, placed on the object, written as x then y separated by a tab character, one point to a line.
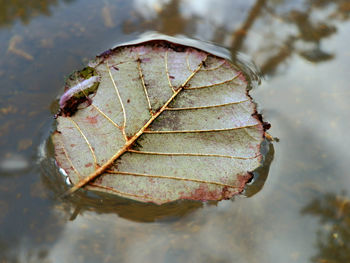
92	119
88	164
203	194
227	192
242	180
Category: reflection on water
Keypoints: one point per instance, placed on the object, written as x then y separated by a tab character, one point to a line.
333	236
303	22
297	214
25	10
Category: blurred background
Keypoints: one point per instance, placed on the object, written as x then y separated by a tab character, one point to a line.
298	211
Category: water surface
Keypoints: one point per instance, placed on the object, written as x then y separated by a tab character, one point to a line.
301	211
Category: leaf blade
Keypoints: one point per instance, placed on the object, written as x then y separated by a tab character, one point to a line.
143	159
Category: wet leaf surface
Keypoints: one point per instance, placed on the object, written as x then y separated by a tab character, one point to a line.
158	122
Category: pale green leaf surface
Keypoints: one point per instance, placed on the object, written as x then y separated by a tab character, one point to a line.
167	122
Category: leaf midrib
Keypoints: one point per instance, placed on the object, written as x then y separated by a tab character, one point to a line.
100	170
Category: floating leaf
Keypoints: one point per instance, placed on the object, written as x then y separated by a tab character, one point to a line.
157	122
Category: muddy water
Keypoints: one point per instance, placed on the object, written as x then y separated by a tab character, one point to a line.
298	212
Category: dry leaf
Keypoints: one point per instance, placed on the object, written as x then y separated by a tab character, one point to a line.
157	122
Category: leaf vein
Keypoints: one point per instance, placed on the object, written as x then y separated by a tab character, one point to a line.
193	131
210	106
117	191
120	100
172	177
106	116
70	162
215	84
144	85
194	154
86	140
213	68
188	63
167	70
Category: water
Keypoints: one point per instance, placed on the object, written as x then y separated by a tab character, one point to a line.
300	211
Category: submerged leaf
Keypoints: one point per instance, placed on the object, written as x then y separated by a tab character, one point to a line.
164	122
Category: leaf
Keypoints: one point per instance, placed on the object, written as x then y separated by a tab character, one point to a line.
158	122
